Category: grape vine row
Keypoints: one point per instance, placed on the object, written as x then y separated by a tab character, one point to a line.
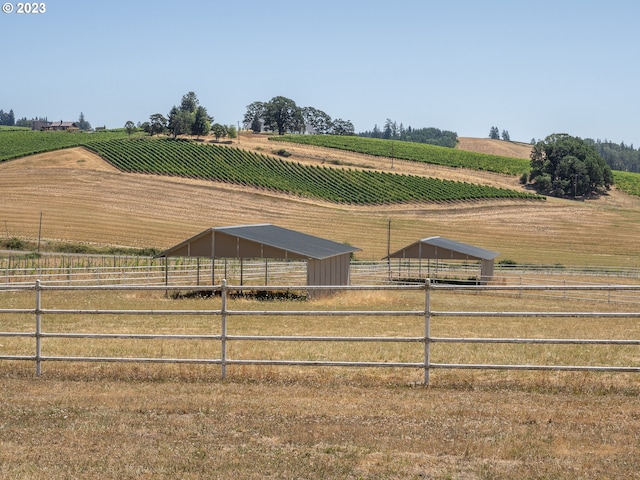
236	166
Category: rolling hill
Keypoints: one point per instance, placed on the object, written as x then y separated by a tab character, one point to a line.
84	199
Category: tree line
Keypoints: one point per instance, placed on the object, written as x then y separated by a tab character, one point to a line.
431	136
7	118
494	134
618	156
282	115
188	118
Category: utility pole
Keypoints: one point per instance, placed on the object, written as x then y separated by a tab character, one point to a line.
39	232
389	248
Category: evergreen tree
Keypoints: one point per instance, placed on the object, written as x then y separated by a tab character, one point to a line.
7	118
202	122
83	124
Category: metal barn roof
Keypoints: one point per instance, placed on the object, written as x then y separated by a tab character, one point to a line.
257	241
443	248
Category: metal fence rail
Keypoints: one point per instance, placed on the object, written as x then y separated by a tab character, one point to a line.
105	270
225	316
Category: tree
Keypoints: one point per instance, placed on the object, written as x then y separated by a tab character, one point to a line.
189	102
7	118
130	127
180	122
254	116
562	165
319	121
82	123
232	131
218	131
202	122
390	129
283	115
157	124
494	133
342	127
145	127
505	135
190	118
256	125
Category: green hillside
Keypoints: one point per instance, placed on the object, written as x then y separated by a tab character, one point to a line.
233	165
628	182
417	152
15	143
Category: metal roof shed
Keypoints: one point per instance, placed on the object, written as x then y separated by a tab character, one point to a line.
328	262
440	248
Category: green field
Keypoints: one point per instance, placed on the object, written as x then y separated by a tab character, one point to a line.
15	143
233	165
628	182
418	152
274	174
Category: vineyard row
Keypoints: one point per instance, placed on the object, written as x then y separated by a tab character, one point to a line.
233	165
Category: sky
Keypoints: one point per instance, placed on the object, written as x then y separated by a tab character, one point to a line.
531	68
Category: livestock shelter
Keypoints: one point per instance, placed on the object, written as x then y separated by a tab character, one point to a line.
440	249
328	262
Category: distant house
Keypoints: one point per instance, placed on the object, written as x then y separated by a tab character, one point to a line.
61	126
39	124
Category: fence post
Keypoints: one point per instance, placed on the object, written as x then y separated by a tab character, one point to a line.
427	329
38	327
223	328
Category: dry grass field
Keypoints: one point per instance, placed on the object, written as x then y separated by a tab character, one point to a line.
138	421
98	420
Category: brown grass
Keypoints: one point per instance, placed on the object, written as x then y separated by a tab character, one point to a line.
102	421
84	200
495	147
314	428
170	421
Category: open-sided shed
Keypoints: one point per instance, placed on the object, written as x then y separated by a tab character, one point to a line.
328	262
444	249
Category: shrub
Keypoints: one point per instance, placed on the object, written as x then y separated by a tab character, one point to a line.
283	153
15	243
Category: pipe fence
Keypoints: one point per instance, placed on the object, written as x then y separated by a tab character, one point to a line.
222	321
126	270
